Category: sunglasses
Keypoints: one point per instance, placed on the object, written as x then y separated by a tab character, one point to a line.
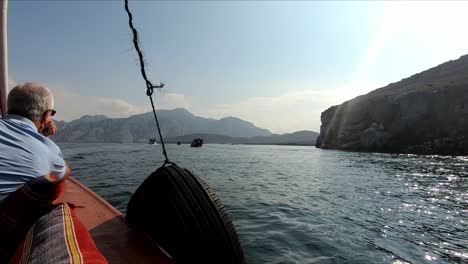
52	111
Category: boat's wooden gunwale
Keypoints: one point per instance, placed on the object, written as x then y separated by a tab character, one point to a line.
97	197
114	237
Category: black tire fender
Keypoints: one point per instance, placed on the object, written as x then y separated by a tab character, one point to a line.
179	211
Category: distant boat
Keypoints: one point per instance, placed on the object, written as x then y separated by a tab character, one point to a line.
178	143
196	143
152	141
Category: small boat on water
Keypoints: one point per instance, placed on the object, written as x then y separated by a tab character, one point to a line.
196	143
152	141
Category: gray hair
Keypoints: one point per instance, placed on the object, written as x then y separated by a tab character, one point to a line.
30	100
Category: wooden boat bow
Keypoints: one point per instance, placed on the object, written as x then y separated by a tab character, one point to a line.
114	237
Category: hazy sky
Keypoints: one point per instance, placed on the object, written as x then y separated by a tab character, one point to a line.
276	64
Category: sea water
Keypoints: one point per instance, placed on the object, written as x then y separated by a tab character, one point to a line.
293	204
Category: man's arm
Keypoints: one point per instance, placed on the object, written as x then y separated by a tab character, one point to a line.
67	172
60	168
56	178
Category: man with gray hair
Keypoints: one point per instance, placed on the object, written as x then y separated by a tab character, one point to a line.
26	151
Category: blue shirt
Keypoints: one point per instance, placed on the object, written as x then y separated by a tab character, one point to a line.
25	154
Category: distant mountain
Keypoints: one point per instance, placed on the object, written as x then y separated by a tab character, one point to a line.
304	137
141	127
297	138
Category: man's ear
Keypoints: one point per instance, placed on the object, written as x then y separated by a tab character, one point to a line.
43	117
41	123
41	127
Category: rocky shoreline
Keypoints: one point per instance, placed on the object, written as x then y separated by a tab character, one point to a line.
426	113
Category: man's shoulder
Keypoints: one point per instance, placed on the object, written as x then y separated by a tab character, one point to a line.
51	145
24	130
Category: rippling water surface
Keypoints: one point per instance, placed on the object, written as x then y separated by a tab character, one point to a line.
305	205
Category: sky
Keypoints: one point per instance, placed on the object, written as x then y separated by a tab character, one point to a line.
276	64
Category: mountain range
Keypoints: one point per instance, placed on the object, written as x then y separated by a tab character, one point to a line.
175	125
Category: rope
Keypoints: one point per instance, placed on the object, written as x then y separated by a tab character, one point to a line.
149	86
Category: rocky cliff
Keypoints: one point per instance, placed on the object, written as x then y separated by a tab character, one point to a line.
426	113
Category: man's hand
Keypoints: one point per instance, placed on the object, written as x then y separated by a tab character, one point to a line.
52	178
48	129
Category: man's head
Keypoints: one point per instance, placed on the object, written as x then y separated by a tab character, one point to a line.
31	100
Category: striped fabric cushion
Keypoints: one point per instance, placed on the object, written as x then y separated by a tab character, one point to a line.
21	209
58	237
